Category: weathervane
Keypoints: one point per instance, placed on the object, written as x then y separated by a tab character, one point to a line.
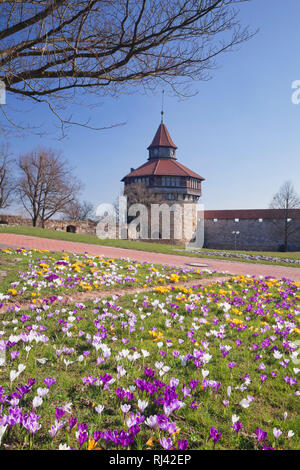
162	107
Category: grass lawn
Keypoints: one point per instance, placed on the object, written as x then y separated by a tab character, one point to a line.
39	274
175	368
151	247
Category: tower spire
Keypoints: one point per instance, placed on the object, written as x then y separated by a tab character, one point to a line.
162	107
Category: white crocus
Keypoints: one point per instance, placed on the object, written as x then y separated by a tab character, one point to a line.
2	431
42	392
99	409
36	402
142	404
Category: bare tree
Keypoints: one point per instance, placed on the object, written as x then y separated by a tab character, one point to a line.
54	48
79	211
46	184
7	185
286	200
139	193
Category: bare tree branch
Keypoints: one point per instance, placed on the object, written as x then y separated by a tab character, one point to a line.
79	211
46	185
287	200
7	183
140	193
109	47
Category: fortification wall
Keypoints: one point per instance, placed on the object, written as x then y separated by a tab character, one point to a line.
254	234
83	226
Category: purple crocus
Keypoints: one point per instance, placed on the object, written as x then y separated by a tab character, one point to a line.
261	435
214	434
182	444
82	438
237	426
49	381
167	444
59	412
72	422
97	435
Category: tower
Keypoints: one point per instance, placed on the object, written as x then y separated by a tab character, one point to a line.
163	175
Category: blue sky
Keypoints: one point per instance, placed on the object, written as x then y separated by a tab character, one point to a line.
241	131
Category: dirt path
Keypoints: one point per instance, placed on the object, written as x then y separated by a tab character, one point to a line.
78	297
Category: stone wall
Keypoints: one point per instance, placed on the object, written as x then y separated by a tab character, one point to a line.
14	220
254	234
84	226
72	226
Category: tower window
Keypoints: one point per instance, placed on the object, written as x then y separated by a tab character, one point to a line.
170	181
194	183
145	179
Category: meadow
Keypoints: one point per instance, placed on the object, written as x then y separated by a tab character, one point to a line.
198	367
43	275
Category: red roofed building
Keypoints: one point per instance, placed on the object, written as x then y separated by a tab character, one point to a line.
162	172
164	178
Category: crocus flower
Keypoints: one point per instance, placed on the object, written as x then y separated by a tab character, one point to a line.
237	426
82	438
99	409
49	381
97	435
72	422
214	434
277	433
167	444
261	435
59	412
182	444
125	408
37	401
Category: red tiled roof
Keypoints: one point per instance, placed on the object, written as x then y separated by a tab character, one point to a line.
162	138
250	214
163	167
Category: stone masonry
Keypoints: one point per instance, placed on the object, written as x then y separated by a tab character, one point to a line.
258	230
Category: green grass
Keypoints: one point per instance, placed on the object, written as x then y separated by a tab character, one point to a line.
145	246
89	239
132	318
